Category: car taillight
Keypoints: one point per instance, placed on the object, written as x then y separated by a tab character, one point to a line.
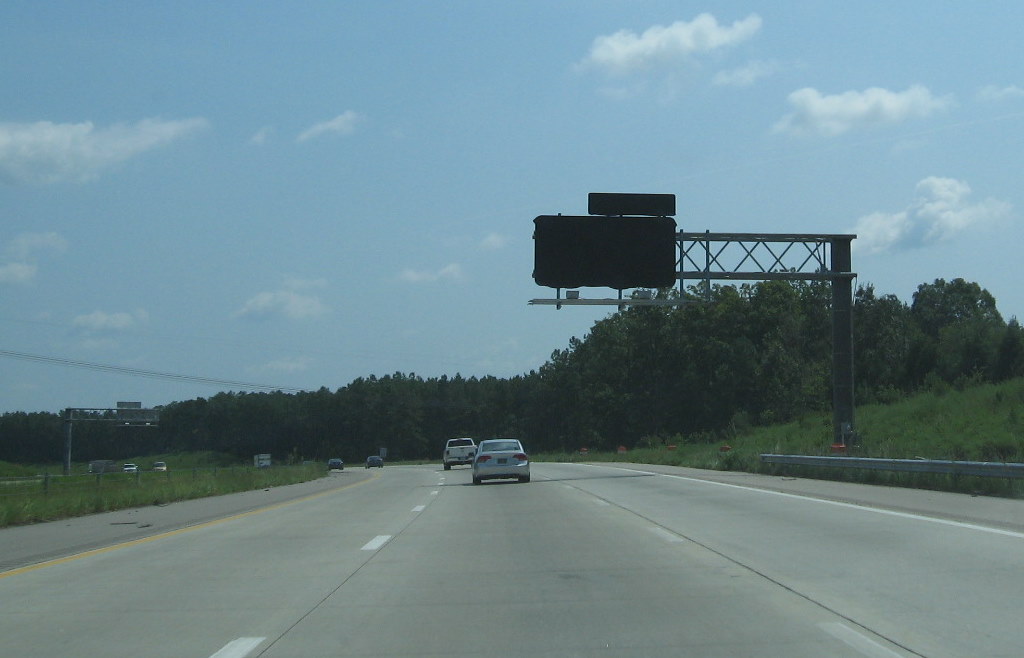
520	456
483	458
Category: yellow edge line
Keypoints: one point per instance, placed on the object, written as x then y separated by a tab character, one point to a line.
171	533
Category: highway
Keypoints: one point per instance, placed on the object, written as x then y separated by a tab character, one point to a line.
585	560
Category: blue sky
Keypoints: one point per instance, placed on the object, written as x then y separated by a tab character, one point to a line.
299	194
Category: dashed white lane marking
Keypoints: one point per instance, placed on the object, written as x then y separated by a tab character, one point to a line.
861	643
434	493
602	503
419	508
238	648
376	542
666	535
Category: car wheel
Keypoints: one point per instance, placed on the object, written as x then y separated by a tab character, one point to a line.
477	480
447	467
525	478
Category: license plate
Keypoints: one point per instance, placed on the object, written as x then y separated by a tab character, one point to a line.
502	460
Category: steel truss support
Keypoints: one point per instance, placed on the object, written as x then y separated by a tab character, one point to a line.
792	257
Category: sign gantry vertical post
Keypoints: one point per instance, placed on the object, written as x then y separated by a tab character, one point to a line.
842	342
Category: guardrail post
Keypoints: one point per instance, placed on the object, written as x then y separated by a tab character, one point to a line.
46	484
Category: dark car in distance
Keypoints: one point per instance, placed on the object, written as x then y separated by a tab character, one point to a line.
373	461
335	465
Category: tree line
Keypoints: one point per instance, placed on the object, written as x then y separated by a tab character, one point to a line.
729	358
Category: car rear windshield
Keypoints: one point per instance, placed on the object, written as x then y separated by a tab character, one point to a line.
460	442
501	446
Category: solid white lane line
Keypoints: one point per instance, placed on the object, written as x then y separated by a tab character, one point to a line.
836	503
376	542
670	537
861	643
419	508
239	648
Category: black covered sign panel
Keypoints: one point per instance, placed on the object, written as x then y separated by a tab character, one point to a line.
603	203
611	252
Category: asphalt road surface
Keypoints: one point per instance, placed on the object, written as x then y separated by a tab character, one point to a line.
585	560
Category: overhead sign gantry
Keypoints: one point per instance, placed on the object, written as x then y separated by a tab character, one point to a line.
128	414
630	241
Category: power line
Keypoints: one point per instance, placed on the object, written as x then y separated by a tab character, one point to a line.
138	372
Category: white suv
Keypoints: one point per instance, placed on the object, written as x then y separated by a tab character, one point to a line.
458	451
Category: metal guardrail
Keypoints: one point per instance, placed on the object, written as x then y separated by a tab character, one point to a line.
934	466
47	482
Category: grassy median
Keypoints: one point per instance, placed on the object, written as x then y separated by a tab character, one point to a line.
36	498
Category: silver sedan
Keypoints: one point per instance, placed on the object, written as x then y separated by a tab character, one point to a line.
501	459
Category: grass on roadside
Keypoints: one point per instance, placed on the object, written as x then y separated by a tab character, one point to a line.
37	500
980	423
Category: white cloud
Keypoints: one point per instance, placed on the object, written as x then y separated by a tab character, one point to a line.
943	205
343	124
17	273
289	303
292	301
45	152
941	210
101	321
452	271
25	244
817	114
745	76
20	253
880	231
625	51
261	136
493	241
994	94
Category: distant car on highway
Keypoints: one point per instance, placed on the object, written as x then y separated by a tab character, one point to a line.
373	461
130	468
501	459
335	465
159	466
